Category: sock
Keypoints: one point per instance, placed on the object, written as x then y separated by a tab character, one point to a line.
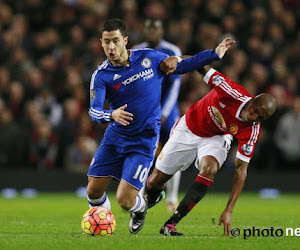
195	193
140	204
102	202
152	195
172	187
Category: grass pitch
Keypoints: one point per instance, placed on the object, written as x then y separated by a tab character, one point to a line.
52	221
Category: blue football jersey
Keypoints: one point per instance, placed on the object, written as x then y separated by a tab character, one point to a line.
138	86
171	83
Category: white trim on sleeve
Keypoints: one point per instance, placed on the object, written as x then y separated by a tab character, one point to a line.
208	75
242	157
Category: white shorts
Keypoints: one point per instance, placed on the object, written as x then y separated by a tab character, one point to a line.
184	147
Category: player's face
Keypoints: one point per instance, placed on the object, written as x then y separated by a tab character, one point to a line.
254	113
153	32
114	45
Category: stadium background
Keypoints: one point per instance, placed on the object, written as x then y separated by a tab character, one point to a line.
49	49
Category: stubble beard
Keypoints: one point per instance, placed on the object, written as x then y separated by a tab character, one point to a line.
119	58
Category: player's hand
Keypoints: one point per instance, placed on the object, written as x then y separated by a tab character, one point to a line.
224	46
225	219
169	65
121	116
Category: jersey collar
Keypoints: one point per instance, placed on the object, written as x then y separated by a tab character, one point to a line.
130	58
238	112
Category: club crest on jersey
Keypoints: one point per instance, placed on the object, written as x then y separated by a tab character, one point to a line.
233	129
217	118
247	148
161	155
146	63
217	80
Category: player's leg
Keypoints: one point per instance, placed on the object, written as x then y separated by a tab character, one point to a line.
172	186
96	194
154	187
106	164
195	193
209	166
211	157
130	200
128	197
135	171
176	155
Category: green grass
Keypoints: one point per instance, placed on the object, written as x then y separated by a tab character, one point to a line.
52	221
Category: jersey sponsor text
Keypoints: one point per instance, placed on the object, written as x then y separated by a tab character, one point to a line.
146	74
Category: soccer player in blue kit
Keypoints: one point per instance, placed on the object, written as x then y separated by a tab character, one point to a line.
154	32
130	80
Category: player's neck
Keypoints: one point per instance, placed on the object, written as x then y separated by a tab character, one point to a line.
124	59
154	45
244	109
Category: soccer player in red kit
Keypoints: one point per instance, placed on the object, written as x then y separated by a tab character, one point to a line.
203	135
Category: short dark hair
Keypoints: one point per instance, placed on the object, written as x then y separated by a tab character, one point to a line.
114	24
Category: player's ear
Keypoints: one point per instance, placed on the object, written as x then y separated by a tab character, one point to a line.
101	42
126	40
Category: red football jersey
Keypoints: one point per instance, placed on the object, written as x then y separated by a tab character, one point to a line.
219	111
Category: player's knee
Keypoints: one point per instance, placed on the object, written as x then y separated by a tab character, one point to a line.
209	166
93	193
125	202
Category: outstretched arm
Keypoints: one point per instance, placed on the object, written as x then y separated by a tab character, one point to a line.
225	45
237	186
174	64
202	71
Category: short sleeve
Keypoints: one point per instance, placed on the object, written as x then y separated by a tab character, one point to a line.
247	140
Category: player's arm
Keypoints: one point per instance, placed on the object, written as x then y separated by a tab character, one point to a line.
121	116
202	71
97	97
227	89
98	114
237	186
181	65
96	111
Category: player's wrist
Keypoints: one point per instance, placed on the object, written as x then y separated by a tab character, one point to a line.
179	59
228	210
217	54
112	114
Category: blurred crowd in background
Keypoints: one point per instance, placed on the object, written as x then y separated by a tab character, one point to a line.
49	49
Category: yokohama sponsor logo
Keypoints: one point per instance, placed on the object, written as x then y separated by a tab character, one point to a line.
215	120
146	74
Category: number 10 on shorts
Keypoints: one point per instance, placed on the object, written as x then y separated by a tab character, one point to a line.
140	173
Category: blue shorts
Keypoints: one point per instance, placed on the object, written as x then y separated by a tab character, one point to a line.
125	157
